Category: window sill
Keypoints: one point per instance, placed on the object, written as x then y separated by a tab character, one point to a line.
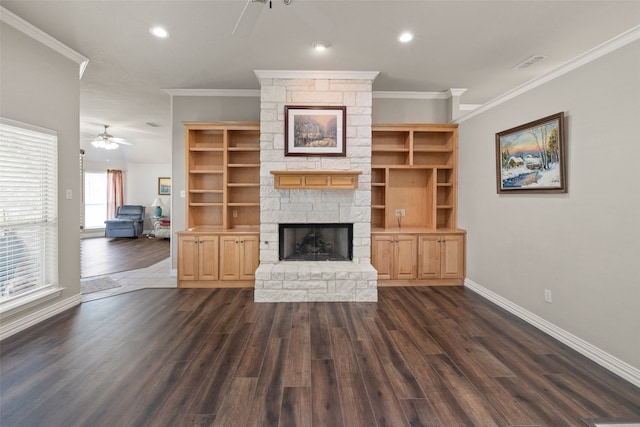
24	302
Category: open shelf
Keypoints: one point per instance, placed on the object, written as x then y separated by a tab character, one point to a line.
223	160
413	168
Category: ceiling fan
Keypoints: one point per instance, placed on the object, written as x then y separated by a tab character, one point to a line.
107	141
249	16
307	11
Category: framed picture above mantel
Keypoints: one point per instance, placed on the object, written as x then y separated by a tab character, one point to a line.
532	158
315	131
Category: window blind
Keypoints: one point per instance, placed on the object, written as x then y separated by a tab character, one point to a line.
28	210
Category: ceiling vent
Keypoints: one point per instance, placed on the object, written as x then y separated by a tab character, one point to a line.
529	62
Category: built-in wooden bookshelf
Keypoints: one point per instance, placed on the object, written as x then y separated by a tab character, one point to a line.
222	204
413	203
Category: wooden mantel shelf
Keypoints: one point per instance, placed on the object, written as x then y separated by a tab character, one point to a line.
315	179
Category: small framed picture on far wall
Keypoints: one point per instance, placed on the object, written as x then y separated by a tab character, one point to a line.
164	186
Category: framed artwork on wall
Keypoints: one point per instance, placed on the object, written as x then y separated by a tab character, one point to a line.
164	186
532	158
315	131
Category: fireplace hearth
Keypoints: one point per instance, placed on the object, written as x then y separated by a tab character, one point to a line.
316	242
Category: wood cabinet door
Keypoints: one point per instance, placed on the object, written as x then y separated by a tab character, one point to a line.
208	258
429	257
452	257
249	257
187	258
229	257
382	255
405	257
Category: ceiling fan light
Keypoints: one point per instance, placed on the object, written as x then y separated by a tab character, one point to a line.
98	143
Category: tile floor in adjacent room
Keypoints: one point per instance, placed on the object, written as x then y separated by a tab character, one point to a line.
155	276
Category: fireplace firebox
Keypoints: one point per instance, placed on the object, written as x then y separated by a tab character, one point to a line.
316	242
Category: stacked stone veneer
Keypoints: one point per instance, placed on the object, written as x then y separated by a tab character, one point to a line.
323	280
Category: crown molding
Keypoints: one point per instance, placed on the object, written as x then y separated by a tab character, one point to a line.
316	74
409	95
469	107
255	93
609	46
35	33
455	92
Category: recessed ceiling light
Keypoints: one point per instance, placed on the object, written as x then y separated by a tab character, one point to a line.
159	32
320	46
405	37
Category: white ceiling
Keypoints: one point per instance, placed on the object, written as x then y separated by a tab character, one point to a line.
458	44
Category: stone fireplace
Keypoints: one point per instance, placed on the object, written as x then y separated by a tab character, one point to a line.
315	242
324	278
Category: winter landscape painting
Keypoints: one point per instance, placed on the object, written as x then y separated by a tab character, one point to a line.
315	131
531	157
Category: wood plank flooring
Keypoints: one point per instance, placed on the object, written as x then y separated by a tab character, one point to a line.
421	356
101	255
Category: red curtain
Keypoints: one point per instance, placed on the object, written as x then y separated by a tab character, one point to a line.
115	192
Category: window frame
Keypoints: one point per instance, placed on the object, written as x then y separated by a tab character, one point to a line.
32	214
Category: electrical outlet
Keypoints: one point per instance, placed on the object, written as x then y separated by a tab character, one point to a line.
398	212
402	212
235	213
547	296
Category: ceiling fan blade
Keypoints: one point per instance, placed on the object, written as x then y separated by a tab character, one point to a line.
248	18
121	141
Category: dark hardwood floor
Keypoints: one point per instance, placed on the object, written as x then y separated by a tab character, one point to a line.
101	255
438	356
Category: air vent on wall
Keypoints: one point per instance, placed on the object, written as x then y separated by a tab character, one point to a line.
529	62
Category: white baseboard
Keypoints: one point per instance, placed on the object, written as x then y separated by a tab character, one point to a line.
602	358
8	329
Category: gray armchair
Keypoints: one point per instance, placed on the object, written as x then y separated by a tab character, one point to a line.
129	222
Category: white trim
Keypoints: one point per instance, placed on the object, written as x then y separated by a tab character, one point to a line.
316	74
173	272
27	300
27	126
602	358
8	329
255	93
37	34
455	92
409	95
591	55
469	107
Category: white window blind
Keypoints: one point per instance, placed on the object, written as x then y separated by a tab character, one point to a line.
28	211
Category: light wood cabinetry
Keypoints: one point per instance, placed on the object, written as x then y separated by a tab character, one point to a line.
197	257
238	257
395	256
414	174
441	257
223	195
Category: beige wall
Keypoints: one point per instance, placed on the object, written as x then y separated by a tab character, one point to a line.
41	87
583	245
409	111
